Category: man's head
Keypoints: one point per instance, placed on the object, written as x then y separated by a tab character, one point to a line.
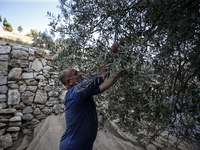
70	77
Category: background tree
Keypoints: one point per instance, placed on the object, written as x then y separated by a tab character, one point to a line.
4	21
0	19
7	25
20	29
159	49
33	33
43	40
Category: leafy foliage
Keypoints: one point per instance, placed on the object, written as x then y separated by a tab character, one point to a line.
0	19
43	41
7	25
33	33
20	29
159	50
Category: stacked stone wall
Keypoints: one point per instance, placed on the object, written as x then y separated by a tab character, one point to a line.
26	95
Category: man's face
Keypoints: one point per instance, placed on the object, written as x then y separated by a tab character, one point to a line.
75	76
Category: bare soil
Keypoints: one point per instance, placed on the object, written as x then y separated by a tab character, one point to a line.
15	36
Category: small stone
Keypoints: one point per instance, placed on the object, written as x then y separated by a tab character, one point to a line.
3	73
40	106
27	117
37	111
5	116
14	134
22	88
19	106
3	98
6	141
3	80
32	88
47	110
27	97
2	131
28	110
4	57
13	86
16	118
12	129
27	75
19	114
15	124
19	54
62	94
7	111
41	116
4	120
13	97
39	53
19	63
3	65
41	97
48	88
2	125
15	74
3	89
3	105
37	65
5	49
31	82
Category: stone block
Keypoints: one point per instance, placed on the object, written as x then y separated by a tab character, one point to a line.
37	65
27	97
3	57
15	74
28	110
39	53
2	131
4	120
2	125
47	110
4	73
13	129
31	88
3	65
41	97
15	118
13	97
27	117
7	111
19	54
13	86
6	141
3	80
3	98
19	63
15	124
37	111
5	49
29	75
3	89
22	88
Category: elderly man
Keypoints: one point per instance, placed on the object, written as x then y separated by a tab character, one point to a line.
80	109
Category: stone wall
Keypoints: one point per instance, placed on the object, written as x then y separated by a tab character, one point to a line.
26	95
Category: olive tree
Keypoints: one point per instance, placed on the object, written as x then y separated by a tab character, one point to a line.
159	51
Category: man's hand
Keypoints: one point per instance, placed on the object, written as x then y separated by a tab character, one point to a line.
114	48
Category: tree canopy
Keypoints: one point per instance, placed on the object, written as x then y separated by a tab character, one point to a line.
159	50
7	25
20	29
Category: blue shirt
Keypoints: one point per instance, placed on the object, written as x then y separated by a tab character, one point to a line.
81	117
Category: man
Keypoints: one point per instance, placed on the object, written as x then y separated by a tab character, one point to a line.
80	109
